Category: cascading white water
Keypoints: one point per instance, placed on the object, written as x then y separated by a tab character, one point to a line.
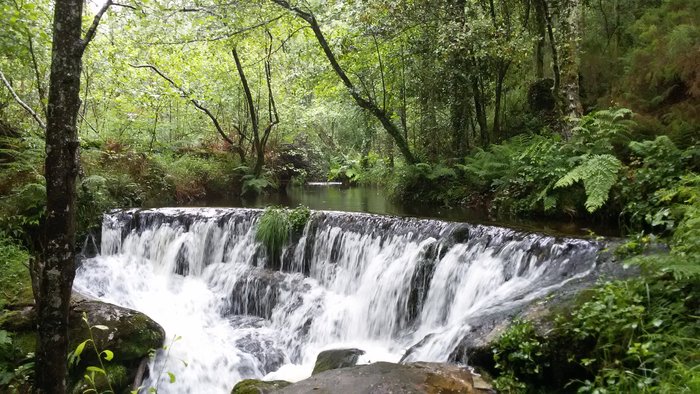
380	284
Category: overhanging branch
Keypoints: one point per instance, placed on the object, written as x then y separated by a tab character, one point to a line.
22	103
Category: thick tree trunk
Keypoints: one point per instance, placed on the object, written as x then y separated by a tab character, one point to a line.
56	268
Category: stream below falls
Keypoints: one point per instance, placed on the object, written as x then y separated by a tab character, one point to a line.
378	283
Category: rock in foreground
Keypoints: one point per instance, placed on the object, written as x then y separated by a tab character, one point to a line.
336	358
385	378
255	386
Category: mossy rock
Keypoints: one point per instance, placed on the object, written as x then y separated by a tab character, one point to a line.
336	358
255	386
130	335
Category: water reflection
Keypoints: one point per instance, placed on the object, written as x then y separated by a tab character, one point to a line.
334	197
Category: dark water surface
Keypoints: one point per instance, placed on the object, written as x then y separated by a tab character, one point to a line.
335	197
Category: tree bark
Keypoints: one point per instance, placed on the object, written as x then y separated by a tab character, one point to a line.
480	110
259	141
541	29
361	101
500	78
570	95
55	268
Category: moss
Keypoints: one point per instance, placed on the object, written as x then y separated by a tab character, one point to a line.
255	386
25	341
15	282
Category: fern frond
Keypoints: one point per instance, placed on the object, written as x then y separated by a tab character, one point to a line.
598	173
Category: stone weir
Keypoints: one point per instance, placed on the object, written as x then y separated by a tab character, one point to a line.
397	288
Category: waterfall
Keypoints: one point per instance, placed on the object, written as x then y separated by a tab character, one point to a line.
381	284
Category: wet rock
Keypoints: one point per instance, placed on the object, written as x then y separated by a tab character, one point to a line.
336	358
256	293
255	386
130	335
385	378
263	349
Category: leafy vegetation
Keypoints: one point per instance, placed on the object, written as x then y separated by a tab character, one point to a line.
638	335
277	225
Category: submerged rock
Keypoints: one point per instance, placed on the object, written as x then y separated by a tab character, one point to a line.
384	378
336	358
255	386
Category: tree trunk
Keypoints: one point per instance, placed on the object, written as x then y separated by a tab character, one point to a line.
56	266
570	95
459	105
480	110
500	77
541	28
556	74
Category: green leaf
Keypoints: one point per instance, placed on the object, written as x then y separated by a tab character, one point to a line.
79	349
108	355
172	377
598	173
100	327
96	369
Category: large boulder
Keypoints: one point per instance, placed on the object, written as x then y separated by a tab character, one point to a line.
384	378
128	334
336	358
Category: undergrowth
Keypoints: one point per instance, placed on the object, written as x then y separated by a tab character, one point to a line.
640	335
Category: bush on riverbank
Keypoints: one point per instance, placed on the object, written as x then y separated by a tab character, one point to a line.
638	335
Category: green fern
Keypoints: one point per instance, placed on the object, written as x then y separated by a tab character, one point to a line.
599	173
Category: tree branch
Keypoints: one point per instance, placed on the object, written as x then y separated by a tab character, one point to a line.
37	74
223	36
92	30
185	94
22	103
365	103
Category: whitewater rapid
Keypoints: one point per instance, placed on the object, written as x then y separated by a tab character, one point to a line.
380	284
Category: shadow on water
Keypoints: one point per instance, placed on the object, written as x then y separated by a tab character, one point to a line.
335	197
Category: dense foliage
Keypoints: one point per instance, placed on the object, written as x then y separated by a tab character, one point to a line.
637	335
